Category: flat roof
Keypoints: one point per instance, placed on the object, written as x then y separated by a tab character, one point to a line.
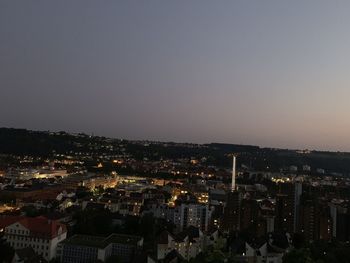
102	242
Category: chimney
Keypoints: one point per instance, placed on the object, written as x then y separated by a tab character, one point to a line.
233	187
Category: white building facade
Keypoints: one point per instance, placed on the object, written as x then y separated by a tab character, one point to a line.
41	234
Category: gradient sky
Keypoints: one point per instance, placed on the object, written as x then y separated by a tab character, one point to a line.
269	73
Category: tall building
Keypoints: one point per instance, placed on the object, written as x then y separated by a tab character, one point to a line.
298	190
287	207
192	214
315	220
249	214
326	223
284	213
343	224
308	223
231	217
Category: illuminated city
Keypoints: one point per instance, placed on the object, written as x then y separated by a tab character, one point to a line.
179	131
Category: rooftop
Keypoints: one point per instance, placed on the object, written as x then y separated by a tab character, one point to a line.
38	226
102	242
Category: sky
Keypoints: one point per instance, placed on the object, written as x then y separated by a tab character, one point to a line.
268	73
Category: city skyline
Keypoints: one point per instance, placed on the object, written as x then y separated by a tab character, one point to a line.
260	73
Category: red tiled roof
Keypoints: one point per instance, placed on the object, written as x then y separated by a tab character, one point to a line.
41	226
9	220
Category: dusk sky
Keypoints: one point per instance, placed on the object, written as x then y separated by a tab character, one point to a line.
268	73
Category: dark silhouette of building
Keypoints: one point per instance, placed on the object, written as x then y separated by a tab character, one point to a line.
249	215
231	218
287	207
343	224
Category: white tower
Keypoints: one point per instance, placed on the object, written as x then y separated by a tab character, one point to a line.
233	187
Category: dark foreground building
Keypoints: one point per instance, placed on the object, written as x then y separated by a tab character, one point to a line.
84	248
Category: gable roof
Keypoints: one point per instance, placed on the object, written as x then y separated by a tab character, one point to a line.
9	220
191	232
41	226
163	237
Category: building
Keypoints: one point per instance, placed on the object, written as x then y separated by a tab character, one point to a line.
293	168
161	211
39	233
165	244
315	220
249	214
26	255
320	171
306	168
284	213
85	248
343	224
261	253
270	250
97	181
217	199
287	207
308	223
325	223
231	217
188	243
192	214
38	192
